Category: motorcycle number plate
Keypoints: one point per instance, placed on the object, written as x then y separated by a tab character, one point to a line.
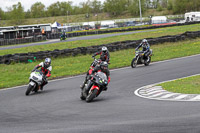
32	83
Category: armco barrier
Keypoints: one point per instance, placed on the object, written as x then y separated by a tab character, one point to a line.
75	34
115	46
21	40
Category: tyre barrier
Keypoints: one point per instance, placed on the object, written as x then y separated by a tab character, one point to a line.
4	42
75	34
112	47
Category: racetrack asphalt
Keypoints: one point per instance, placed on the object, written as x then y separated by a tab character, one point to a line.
74	39
58	109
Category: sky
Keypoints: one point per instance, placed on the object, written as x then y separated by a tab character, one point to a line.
27	3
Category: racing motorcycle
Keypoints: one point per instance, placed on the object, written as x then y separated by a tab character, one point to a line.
62	38
35	82
140	58
99	81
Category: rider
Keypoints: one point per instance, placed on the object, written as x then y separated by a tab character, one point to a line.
46	69
103	67
145	48
63	35
104	54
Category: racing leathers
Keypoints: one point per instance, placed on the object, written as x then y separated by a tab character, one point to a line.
98	69
104	56
46	72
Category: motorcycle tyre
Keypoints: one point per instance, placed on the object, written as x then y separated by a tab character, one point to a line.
133	64
82	97
91	95
29	89
147	63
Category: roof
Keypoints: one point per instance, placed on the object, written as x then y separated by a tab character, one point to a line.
55	25
159	18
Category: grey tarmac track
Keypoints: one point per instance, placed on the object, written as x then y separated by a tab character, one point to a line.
74	39
58	109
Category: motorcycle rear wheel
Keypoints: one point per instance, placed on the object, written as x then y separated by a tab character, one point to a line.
29	89
91	95
147	63
134	63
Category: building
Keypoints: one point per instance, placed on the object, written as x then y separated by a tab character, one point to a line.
192	16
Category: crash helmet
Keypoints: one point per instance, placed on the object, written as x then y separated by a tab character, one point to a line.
104	49
47	62
104	65
144	41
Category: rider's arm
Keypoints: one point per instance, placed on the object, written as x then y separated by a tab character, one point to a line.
148	48
108	57
138	46
97	53
108	75
37	66
49	71
96	68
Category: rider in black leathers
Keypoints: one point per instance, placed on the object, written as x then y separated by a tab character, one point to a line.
104	54
145	48
103	67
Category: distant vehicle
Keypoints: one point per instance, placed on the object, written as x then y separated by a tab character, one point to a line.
108	24
192	16
159	19
129	23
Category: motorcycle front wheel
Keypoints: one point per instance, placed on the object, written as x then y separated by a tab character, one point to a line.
133	63
29	89
91	95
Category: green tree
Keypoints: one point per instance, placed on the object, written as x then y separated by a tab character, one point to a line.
28	14
54	9
38	10
16	12
65	7
170	5
85	7
115	7
2	15
133	7
96	6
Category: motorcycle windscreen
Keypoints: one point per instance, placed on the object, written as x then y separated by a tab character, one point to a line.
102	75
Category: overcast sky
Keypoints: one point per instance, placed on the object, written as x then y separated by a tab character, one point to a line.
27	3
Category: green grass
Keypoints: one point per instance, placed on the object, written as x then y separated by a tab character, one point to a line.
84	43
189	85
17	74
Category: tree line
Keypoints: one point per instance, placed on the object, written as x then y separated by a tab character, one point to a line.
112	7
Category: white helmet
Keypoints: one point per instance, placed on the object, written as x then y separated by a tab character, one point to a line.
104	49
144	41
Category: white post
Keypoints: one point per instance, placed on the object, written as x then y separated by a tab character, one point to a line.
140	11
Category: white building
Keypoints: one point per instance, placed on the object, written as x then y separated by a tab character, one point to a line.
192	16
159	19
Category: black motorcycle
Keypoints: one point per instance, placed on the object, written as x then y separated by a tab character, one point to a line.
97	82
141	58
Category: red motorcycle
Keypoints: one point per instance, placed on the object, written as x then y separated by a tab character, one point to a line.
98	82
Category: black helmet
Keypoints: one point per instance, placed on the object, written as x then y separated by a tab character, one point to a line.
47	62
104	65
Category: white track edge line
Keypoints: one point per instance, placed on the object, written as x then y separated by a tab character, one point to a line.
137	94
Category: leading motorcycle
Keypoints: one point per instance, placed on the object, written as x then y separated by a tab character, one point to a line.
98	81
141	58
35	81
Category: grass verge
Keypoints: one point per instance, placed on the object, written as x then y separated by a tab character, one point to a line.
18	74
189	85
84	43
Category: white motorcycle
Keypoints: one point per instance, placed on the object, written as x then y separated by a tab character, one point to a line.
35	82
